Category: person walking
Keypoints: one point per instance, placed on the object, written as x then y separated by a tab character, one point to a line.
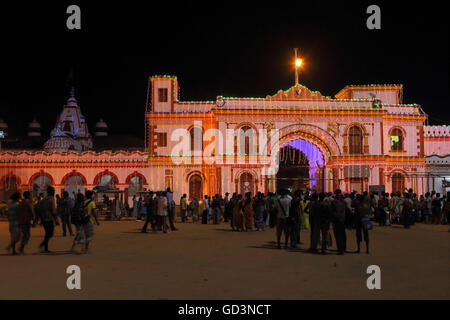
383	209
338	219
260	208
215	206
77	215
205	213
26	216
238	218
227	209
59	206
296	221
89	217
362	222
48	217
149	203
428	207
162	211
272	208
407	210
436	209
193	208
319	222
247	209
135	207
170	209
143	208
66	213
183	208
283	224
232	204
13	218
305	206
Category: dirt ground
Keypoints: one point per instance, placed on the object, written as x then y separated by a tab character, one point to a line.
211	262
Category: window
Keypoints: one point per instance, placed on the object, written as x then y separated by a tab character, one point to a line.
355	138
196	134
162	139
396	140
162	95
247	141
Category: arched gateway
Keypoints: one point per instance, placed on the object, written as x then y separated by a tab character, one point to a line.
304	152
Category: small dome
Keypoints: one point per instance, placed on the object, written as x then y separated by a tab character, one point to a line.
101	128
101	125
34	125
34	129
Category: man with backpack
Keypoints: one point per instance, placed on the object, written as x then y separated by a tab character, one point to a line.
47	214
66	213
88	216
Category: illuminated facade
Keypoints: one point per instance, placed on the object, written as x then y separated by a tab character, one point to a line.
364	136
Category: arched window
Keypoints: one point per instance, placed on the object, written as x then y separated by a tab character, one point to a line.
107	180
135	186
195	187
247	141
398	182
40	185
397	140
196	135
355	140
10	186
74	184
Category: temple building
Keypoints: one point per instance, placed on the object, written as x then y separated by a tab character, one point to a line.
363	137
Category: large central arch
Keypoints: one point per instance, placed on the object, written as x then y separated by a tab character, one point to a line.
324	141
301	135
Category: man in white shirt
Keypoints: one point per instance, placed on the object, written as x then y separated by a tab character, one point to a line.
283	219
162	210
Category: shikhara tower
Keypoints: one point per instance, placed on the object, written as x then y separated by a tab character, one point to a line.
71	131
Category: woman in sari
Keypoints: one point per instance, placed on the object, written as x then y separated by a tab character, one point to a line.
237	215
249	220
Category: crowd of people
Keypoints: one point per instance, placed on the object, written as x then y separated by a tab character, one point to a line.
47	211
289	213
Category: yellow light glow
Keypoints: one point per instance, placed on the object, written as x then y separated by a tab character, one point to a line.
298	62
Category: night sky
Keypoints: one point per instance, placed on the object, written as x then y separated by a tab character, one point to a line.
228	48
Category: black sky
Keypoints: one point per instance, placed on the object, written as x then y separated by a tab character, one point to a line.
215	48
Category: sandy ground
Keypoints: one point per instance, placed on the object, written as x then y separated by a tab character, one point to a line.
211	262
